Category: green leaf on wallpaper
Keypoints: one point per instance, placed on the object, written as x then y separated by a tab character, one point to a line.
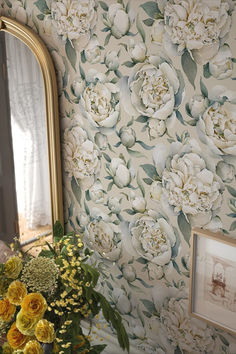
40	17
9	4
71	53
175	265
35	22
142	119
206	71
175	249
232	215
82	73
180	117
118	73
148	22
141	260
151	8
233	226
184	227
65	76
82	56
135	153
86	208
179	94
144	283
183	261
150	171
129	64
42	6
189	67
147	314
145	146
66	95
140	28
140	185
130	211
109	187
148	181
103	5
76	190
224	340
149	305
107	157
87	196
204	90
232	191
107	39
192	122
177	351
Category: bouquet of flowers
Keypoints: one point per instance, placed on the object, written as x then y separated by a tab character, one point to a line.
44	299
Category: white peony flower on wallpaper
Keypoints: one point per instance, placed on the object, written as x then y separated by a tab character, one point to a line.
100	235
153	88
221	65
217	128
96	192
176	327
81	156
120	172
72	18
200	26
152	237
100	103
191	335
188	184
92	52
118	20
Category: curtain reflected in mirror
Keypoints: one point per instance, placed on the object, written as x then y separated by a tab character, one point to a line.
29	140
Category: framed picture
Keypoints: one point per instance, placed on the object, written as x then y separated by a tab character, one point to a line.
212	295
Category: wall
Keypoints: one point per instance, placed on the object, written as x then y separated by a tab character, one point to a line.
148	139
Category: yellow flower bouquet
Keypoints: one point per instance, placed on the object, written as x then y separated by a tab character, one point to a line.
43	300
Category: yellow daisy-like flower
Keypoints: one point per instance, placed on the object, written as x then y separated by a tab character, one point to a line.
16	292
33	347
44	331
13	267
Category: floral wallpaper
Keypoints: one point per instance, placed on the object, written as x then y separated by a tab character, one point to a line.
148	131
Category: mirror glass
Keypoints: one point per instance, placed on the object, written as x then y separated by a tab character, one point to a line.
29	146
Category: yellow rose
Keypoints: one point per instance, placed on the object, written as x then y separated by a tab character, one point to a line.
6	348
13	267
33	347
15	338
34	305
26	325
6	310
16	292
44	331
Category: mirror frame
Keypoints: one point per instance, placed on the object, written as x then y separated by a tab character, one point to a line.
40	51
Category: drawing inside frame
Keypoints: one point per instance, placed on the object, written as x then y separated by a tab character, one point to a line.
212	295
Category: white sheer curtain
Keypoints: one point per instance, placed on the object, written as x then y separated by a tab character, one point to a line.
29	134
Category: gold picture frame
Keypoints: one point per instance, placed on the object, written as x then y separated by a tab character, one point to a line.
212	293
40	51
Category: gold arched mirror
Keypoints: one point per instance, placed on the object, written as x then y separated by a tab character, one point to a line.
30	167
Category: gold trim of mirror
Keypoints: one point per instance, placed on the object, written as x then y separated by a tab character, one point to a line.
38	48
